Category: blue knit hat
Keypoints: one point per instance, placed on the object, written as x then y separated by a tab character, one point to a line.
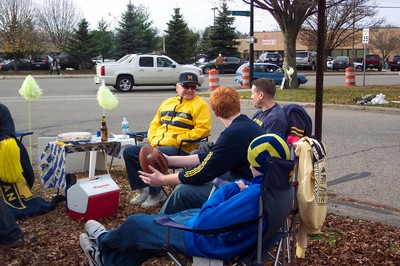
265	146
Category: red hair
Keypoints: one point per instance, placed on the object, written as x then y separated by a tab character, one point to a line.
225	102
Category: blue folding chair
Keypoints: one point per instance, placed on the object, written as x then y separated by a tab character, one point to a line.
276	200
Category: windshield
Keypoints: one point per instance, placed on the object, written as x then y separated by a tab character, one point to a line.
301	54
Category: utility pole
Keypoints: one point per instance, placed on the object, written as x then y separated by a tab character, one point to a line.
251	48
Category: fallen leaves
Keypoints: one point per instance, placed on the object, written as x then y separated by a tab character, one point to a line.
343	241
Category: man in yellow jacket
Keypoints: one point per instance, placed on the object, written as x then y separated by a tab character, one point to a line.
185	116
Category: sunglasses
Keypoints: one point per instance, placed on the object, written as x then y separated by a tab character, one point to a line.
189	86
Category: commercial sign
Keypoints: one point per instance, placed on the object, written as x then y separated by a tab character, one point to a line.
268	42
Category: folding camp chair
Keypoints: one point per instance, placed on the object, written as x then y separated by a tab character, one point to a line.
276	200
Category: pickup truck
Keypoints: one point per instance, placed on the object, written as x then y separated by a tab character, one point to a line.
143	70
373	61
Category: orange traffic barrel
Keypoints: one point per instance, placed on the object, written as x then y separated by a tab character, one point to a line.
246	76
213	79
350	77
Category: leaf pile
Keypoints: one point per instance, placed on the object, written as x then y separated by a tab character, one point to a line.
343	241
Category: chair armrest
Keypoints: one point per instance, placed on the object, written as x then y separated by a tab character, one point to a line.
194	140
138	136
168	222
187	140
22	134
219	182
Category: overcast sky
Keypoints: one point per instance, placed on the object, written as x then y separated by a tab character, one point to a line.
197	13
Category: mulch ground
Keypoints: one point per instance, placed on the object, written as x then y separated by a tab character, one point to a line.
343	241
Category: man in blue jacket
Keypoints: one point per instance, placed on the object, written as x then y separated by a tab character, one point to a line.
139	239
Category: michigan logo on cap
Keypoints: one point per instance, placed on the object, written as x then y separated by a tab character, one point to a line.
266	146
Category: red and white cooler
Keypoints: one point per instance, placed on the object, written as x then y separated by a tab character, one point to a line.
93	198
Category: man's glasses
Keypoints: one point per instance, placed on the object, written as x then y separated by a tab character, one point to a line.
189	86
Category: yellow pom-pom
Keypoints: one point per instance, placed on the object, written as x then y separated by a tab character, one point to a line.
107	100
30	90
10	166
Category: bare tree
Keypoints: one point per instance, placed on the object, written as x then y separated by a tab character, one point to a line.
290	16
385	40
344	24
58	18
17	31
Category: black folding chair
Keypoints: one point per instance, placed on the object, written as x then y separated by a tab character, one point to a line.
276	201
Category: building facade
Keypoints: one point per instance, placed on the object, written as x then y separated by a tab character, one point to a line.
273	41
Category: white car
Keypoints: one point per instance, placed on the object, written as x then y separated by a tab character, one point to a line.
143	70
358	65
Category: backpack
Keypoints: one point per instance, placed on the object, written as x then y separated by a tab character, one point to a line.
300	123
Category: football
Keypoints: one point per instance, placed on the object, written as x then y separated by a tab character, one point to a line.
149	155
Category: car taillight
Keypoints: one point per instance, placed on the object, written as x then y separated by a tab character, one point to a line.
308	59
391	61
102	71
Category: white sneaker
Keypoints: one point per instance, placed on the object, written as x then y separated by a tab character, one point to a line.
141	197
91	250
154	200
94	229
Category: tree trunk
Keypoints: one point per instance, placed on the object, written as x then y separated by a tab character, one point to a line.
290	59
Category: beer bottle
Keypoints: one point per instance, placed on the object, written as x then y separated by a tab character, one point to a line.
104	130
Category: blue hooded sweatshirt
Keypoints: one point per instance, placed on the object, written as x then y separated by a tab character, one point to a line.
227	206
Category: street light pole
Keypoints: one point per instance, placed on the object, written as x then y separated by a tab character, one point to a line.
114	33
115	22
214	8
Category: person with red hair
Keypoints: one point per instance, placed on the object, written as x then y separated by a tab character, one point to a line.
227	158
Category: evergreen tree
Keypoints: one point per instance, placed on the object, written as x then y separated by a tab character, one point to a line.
176	40
205	43
80	43
103	39
135	33
223	36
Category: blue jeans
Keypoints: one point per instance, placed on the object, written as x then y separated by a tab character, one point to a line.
9	229
139	239
131	158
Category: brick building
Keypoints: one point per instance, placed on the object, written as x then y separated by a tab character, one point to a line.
272	41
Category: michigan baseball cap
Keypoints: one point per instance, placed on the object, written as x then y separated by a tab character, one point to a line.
265	146
188	77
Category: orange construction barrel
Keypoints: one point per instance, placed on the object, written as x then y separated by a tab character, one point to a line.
213	79
245	76
350	77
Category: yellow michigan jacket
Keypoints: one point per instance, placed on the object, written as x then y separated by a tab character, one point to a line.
312	192
178	118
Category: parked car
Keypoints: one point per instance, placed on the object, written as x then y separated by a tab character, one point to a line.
22	64
329	62
358	65
69	61
135	70
99	60
395	63
340	62
306	59
267	70
231	64
41	62
270	57
373	61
